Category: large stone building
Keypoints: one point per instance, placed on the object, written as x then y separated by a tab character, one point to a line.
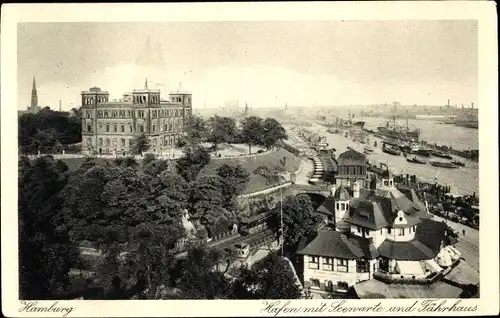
111	126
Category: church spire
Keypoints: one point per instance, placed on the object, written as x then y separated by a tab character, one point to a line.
34	96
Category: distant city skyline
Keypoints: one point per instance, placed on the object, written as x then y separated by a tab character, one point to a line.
264	64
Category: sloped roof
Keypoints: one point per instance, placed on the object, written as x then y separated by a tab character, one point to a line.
425	245
350	155
342	194
328	206
330	243
368	214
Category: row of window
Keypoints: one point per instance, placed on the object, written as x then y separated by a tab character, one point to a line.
139	113
352	170
140	128
399	231
341	265
114	141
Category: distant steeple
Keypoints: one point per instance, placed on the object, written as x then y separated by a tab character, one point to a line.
246	109
34	97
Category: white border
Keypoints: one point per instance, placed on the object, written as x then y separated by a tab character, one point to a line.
484	12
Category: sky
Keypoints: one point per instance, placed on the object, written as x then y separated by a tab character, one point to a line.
264	64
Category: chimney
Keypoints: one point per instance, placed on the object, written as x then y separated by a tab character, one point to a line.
355	193
472	104
333	189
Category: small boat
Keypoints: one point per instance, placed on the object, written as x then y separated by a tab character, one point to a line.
423	152
458	163
368	149
414	159
391	151
443	164
441	154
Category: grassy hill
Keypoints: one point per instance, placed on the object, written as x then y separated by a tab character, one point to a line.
250	163
257	182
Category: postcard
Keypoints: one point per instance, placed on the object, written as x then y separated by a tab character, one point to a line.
249	159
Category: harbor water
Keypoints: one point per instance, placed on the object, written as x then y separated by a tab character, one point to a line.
462	180
433	132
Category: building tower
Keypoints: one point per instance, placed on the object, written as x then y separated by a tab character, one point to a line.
247	111
342	199
34	99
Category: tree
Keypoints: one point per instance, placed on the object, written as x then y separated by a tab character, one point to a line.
252	132
299	219
221	129
45	252
149	157
235	180
270	278
207	204
273	131
197	130
197	276
194	159
46	129
140	144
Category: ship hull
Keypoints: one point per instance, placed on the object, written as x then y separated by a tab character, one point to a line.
467	124
398	135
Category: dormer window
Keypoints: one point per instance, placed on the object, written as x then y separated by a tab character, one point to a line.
386	183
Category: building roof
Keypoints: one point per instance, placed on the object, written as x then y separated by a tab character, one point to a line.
425	245
341	194
330	243
374	289
378	208
350	156
328	206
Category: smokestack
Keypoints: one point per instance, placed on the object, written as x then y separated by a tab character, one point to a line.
60	105
448	103
472	105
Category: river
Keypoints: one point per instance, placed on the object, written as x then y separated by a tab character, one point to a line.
433	132
463	180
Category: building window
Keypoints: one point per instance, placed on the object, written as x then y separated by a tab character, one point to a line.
115	113
130	128
100	141
342	205
359	229
107	128
342	265
338	205
89	128
140	128
389	230
123	142
154	128
381	231
115	128
367	232
401	231
114	142
313	262
107	143
130	142
362	266
327	264
315	283
122	128
386	183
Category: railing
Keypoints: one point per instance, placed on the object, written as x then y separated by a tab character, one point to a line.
395	278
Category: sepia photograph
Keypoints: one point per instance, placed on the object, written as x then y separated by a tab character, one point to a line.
261	160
